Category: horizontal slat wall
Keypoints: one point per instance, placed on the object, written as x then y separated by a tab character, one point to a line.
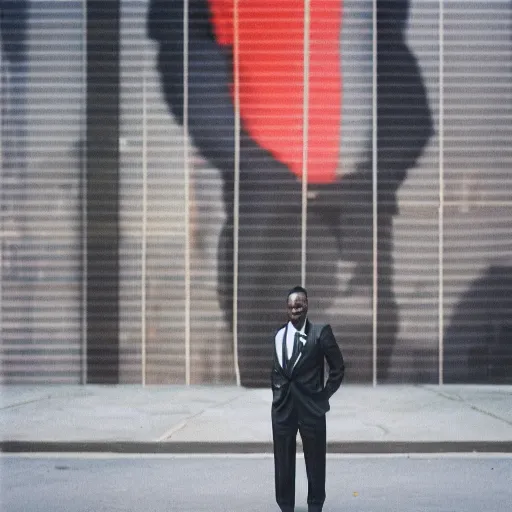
339	267
131	194
153	205
443	262
342	249
410	40
211	337
43	84
478	185
413	265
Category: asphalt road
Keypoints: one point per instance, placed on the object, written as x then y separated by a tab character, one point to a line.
108	483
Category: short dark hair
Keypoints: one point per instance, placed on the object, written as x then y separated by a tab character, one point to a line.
297	289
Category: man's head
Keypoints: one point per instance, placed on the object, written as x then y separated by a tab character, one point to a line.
297	306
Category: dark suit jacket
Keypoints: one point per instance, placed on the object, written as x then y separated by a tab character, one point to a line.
301	386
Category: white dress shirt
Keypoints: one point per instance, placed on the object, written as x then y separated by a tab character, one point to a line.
290	336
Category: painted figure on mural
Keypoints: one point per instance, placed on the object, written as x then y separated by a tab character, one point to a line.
339	220
14	62
478	336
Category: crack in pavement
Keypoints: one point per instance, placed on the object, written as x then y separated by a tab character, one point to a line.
377	426
167	435
51	396
456	398
21	404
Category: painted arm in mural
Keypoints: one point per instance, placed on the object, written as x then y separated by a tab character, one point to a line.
13	29
211	112
14	81
404	124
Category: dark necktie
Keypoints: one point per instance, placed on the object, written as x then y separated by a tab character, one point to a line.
295	350
296	341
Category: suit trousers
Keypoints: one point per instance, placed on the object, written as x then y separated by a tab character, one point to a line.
313	434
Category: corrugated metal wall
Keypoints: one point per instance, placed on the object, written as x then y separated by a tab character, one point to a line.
477	296
43	84
425	285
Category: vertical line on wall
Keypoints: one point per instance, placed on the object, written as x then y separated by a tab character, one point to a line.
441	194
186	166
2	196
374	194
236	185
305	138
83	199
144	218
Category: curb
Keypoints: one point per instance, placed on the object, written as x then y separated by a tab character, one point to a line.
357	447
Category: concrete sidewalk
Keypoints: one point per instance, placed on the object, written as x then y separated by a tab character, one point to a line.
226	419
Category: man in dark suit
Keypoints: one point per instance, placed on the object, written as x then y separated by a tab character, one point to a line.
301	399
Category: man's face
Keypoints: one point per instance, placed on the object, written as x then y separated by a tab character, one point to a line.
297	309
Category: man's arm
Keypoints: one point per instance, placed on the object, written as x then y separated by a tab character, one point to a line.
334	359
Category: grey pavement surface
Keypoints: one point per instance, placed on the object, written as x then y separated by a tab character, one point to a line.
205	483
202	419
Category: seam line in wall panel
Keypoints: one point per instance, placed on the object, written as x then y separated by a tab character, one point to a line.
83	195
236	185
374	195
144	217
186	167
441	196
305	139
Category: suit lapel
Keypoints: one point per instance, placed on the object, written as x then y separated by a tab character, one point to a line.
278	346
304	348
297	361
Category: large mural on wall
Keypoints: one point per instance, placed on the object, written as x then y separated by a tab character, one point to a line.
433	271
339	245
